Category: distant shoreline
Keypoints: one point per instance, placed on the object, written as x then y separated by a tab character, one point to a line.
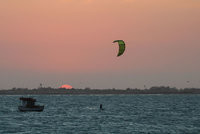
87	91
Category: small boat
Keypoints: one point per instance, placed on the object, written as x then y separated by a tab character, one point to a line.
28	104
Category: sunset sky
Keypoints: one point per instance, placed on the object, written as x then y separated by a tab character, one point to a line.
58	42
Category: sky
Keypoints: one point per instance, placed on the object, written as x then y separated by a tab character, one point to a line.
56	42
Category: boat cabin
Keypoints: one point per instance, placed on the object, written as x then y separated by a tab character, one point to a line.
27	102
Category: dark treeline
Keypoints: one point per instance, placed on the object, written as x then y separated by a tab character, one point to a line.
49	90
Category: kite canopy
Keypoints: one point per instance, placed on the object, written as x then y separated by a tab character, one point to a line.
121	46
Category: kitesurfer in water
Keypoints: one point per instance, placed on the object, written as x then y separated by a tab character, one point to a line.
101	107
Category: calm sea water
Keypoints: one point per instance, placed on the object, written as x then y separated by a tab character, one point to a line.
125	114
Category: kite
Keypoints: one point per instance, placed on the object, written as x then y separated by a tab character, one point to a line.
121	46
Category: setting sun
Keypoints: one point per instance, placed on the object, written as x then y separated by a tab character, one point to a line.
66	86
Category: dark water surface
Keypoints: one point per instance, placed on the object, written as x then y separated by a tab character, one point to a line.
125	114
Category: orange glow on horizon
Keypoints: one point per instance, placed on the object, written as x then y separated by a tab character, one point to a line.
66	86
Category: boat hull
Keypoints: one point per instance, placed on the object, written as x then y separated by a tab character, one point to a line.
34	109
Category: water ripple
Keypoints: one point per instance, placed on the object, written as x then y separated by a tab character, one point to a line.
80	114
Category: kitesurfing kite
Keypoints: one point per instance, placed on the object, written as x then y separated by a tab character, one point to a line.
121	46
